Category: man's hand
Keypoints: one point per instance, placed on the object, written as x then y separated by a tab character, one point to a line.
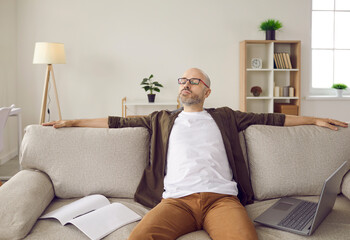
330	123
322	122
59	124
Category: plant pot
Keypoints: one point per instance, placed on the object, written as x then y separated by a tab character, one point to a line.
151	97
270	34
339	92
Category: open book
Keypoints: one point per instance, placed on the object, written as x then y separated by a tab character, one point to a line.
94	215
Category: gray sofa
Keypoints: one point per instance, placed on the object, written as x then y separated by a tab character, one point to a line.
62	165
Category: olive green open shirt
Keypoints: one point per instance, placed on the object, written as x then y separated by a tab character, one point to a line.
159	124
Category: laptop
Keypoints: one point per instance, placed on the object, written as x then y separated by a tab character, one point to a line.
303	217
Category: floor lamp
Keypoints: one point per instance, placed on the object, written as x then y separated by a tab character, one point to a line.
49	53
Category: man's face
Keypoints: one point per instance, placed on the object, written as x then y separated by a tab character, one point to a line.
193	94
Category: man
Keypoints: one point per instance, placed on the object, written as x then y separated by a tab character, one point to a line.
197	170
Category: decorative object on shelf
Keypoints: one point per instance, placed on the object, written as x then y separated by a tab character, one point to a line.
286	91
49	53
151	86
270	26
339	87
256	90
277	91
256	63
286	108
291	92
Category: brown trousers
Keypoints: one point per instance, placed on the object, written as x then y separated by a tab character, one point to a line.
222	216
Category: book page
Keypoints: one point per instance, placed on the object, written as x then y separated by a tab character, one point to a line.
103	221
76	208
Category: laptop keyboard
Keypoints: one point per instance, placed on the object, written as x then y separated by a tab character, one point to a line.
300	216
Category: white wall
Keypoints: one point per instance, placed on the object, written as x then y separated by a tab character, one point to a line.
112	44
8	74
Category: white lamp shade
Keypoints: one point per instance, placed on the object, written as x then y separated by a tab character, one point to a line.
49	53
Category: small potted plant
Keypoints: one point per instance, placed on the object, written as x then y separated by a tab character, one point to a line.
339	87
151	86
270	26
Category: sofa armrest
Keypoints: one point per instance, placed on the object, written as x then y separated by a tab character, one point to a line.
345	186
22	200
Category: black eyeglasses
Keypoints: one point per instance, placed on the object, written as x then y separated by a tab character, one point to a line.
193	81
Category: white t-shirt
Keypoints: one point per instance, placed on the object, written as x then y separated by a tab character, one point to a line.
197	160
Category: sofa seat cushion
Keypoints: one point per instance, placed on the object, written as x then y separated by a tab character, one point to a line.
345	188
85	161
293	161
47	229
336	225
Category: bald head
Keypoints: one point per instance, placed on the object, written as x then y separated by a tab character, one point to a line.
197	73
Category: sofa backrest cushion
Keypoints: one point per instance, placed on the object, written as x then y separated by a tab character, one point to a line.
244	148
83	161
287	161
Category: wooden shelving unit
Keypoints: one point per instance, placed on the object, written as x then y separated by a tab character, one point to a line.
268	76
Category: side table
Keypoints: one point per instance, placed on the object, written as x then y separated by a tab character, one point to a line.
126	104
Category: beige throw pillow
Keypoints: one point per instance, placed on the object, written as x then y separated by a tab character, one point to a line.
22	200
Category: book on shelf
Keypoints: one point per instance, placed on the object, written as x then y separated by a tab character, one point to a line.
288	62
282	61
285	60
275	60
279	61
94	215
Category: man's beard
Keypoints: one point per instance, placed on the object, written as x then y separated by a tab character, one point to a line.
188	101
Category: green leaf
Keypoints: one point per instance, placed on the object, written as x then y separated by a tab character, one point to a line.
151	76
157	84
270	24
339	86
156	89
146	88
144	82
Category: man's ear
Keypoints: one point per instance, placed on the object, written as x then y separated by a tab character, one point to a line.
207	93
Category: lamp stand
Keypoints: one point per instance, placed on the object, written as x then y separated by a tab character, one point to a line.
49	71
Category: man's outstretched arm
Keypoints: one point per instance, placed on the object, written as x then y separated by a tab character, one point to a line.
93	123
322	122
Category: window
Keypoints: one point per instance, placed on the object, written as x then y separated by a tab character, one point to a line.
330	43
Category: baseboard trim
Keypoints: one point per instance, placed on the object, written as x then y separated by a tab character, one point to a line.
8	156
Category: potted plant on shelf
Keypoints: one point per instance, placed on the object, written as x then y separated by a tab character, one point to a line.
151	86
270	26
339	87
